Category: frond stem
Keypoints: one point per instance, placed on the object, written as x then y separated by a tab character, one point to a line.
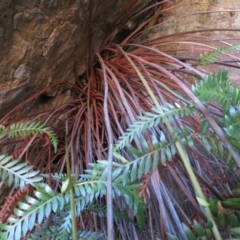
110	156
72	203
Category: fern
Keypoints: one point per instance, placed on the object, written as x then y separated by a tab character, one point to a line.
29	128
46	202
88	235
30	211
89	190
211	143
100	210
152	119
147	161
58	176
52	233
232	123
211	57
18	173
216	88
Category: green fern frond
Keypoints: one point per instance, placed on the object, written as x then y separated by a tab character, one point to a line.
24	129
100	210
232	123
42	234
89	235
32	210
18	173
216	88
66	225
152	119
53	233
87	189
145	161
211	143
211	57
91	186
58	176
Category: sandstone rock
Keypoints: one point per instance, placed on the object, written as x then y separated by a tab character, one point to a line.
45	41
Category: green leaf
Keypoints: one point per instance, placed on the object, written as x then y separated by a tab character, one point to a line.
232	220
235	231
221	220
152	119
188	232
212	56
202	202
65	186
223	91
17	172
171	237
199	230
30	128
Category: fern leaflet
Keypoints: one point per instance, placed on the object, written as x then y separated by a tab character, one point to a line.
152	119
232	123
18	173
216	88
30	128
32	210
211	57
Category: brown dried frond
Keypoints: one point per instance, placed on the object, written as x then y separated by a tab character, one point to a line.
11	203
144	189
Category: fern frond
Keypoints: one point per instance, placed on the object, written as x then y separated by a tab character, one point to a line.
216	88
100	210
211	57
51	233
31	211
146	161
89	235
18	173
232	123
87	190
211	143
58	176
24	129
35	209
65	230
66	225
152	119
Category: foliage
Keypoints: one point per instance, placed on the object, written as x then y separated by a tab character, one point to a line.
151	186
22	129
91	185
224	93
18	173
88	188
151	119
212	56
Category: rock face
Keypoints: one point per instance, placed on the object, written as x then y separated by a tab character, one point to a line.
46	41
43	41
